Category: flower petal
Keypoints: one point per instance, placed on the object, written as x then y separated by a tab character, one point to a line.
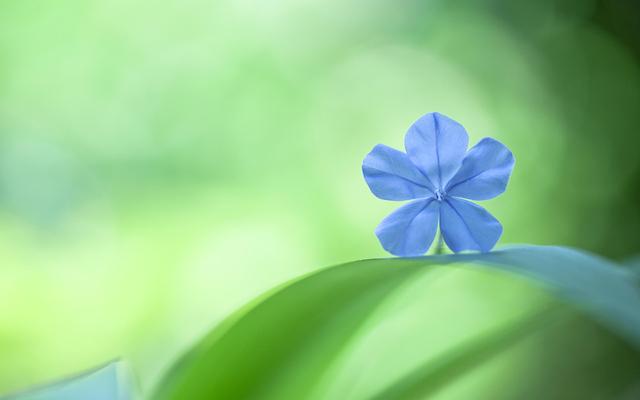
410	229
436	144
391	175
484	173
467	226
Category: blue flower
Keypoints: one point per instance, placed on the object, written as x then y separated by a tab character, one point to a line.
438	175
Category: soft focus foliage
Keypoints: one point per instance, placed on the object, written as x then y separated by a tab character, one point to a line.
108	382
310	340
163	163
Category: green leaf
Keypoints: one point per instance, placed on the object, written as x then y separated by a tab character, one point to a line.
281	347
103	383
259	351
603	289
634	264
428	378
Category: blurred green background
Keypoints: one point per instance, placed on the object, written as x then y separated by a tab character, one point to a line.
162	163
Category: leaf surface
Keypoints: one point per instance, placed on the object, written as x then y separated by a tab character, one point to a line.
432	375
281	347
104	383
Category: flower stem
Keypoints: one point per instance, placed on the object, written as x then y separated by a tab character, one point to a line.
439	245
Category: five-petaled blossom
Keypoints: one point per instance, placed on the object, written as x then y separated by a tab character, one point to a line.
438	174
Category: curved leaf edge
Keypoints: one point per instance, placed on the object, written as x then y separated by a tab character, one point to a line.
592	284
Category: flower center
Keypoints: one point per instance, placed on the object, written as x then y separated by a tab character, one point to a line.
440	194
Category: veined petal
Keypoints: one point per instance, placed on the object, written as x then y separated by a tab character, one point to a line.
467	226
391	175
484	173
436	144
409	231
